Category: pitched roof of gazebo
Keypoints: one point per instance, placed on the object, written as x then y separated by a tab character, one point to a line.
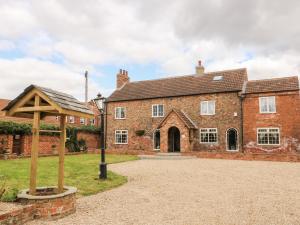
52	103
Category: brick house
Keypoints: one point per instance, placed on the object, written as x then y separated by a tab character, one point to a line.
208	112
272	115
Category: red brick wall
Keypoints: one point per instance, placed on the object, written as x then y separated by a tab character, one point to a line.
286	118
7	142
92	140
139	117
18	216
47	145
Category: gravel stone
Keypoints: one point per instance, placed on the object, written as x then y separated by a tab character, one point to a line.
195	191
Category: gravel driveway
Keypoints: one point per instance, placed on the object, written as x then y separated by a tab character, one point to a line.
196	191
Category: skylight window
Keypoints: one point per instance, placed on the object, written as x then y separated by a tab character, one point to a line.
218	78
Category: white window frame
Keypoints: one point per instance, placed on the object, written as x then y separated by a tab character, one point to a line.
92	121
72	120
82	120
157	107
126	132
268	128
268	109
207	103
120	118
208	133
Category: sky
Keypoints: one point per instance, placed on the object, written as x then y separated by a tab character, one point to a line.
51	43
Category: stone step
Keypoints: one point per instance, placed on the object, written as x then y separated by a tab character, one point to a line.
166	156
168	153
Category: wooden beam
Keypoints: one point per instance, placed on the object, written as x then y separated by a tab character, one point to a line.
35	108
76	113
22	102
34	147
50	131
61	153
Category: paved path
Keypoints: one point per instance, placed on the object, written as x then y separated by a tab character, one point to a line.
196	191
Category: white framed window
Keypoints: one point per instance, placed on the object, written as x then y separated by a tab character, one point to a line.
207	107
82	120
92	121
209	135
267	104
268	136
158	110
120	113
71	119
121	137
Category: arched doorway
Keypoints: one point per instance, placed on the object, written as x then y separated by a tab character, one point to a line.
232	140
156	140
174	139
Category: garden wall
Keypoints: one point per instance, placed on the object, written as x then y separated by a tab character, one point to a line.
48	144
92	140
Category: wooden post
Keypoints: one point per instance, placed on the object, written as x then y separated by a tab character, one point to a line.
34	147
61	153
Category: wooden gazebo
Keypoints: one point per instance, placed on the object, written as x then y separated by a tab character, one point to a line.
37	102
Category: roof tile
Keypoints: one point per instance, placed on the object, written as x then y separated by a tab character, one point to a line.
272	85
182	85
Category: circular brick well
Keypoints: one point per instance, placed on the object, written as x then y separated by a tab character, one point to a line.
49	205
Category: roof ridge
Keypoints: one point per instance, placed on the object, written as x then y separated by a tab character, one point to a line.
188	75
276	78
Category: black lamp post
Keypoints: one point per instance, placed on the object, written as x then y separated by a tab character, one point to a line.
99	101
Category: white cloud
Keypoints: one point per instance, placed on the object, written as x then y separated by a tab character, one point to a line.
20	73
174	34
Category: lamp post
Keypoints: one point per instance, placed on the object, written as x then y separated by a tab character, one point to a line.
99	101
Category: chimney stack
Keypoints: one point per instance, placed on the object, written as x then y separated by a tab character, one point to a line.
199	68
122	78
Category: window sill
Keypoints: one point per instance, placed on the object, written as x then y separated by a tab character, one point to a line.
267	112
268	145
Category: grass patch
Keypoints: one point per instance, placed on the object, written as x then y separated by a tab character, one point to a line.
81	171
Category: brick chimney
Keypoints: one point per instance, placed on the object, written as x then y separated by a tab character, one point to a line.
199	68
122	78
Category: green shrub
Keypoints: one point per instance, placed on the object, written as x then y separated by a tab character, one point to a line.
10	195
9	127
72	142
89	129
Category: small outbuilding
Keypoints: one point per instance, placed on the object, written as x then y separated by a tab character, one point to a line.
37	102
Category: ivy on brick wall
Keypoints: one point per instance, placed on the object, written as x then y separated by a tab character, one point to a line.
13	128
9	127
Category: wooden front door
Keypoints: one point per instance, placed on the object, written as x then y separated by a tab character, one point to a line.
17	145
174	139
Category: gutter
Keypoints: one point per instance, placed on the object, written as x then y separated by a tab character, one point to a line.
242	97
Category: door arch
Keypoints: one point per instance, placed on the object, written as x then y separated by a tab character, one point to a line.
173	139
232	140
